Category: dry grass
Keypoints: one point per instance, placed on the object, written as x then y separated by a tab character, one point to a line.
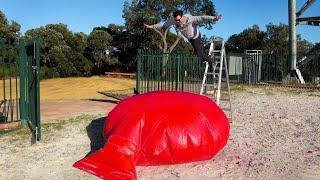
8	86
81	87
71	88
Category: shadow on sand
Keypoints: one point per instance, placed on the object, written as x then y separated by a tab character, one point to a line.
95	134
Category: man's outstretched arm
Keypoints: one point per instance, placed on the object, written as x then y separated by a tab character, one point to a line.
204	19
165	25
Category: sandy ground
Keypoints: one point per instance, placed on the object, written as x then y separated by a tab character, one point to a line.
273	136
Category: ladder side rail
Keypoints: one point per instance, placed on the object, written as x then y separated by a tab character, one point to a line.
204	78
220	75
228	82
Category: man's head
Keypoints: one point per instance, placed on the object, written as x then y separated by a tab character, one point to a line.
178	17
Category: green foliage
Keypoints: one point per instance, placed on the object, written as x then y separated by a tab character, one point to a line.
276	39
9	34
9	31
250	38
99	41
99	44
273	40
62	52
47	73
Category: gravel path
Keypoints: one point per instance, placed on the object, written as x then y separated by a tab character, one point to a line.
273	136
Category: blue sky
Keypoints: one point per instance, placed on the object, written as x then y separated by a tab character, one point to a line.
82	16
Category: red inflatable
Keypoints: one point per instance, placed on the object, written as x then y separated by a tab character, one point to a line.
158	128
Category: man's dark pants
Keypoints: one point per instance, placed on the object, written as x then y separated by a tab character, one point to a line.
199	49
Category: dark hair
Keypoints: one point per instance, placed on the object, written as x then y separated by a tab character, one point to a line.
177	13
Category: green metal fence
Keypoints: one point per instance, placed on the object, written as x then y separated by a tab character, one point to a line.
158	71
9	89
250	69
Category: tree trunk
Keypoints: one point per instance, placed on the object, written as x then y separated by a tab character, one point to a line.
164	48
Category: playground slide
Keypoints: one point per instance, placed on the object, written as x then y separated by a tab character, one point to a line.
158	128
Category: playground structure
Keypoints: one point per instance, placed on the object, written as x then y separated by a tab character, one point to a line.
294	20
20	85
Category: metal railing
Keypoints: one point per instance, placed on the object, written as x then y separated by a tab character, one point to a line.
157	71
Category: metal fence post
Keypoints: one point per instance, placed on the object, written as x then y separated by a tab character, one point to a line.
138	71
22	77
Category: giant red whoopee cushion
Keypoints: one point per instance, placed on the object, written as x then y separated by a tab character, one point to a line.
158	128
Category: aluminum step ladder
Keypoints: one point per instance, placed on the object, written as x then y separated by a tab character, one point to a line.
215	82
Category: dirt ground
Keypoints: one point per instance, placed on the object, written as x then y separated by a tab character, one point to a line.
274	135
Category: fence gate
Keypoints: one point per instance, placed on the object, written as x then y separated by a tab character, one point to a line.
29	65
9	96
252	66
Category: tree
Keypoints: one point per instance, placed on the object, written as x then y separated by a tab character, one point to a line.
123	47
9	34
49	39
303	47
62	52
99	41
81	62
99	44
9	31
276	39
248	39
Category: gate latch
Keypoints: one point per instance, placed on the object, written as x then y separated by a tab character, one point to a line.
34	68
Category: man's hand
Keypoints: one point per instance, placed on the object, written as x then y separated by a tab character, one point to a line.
147	26
217	17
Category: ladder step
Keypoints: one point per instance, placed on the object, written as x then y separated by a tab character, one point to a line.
209	85
217	68
224	99
217	74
